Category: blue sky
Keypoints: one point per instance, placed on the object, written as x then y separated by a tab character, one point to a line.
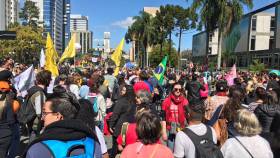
115	15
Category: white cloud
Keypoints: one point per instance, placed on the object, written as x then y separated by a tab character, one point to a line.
124	23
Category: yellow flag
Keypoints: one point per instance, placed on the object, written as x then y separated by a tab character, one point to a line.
70	51
51	57
117	55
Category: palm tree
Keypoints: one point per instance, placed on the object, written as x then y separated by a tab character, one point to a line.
220	14
143	31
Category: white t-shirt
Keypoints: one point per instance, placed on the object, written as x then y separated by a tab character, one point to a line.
257	146
184	147
101	140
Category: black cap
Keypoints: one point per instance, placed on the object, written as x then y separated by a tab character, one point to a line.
5	75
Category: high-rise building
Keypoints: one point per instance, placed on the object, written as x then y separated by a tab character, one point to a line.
66	22
2	15
52	20
78	22
107	48
9	13
79	28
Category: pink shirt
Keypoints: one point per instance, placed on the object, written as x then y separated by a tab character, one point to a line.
146	151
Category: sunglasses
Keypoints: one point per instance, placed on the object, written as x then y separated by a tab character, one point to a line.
177	89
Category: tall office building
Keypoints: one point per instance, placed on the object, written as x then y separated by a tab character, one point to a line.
107	48
79	28
9	13
51	18
66	22
78	22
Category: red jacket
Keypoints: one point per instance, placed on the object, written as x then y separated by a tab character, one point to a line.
181	102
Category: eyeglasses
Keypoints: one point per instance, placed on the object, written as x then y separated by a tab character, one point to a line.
177	89
44	114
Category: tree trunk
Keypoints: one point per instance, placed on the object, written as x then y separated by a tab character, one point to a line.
179	48
207	48
220	38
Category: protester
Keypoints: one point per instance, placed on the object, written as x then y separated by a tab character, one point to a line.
186	144
99	104
112	80
193	88
148	129
87	115
61	128
143	84
36	98
175	118
128	131
247	143
260	94
121	108
8	107
220	98
73	83
267	111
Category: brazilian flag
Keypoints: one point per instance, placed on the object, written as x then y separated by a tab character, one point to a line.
160	69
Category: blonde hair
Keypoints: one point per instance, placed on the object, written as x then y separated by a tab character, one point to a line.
246	123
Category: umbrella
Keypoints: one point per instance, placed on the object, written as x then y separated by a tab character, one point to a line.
277	72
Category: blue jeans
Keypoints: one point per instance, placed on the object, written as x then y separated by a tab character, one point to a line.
171	140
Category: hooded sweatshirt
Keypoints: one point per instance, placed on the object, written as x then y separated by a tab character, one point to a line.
64	130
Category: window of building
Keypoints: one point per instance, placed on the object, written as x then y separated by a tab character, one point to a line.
254	23
253	42
210	50
272	23
271	42
210	37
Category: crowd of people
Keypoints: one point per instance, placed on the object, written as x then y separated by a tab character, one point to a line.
192	114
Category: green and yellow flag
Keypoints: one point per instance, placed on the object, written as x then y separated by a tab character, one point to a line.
51	57
70	50
160	69
117	56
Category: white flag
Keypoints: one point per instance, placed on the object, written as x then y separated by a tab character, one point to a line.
25	80
42	58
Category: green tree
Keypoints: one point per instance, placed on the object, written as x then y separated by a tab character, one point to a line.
257	66
26	48
156	55
142	30
168	13
220	14
30	14
185	20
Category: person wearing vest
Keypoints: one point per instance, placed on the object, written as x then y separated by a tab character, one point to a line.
8	108
63	135
37	97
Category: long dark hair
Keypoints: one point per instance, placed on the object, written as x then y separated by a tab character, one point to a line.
233	104
86	113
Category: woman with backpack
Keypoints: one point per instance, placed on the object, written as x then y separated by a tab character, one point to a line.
98	103
247	143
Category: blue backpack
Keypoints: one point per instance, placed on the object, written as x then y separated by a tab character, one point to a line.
62	149
93	100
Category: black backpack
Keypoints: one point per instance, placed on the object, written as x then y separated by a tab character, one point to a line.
26	113
204	145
